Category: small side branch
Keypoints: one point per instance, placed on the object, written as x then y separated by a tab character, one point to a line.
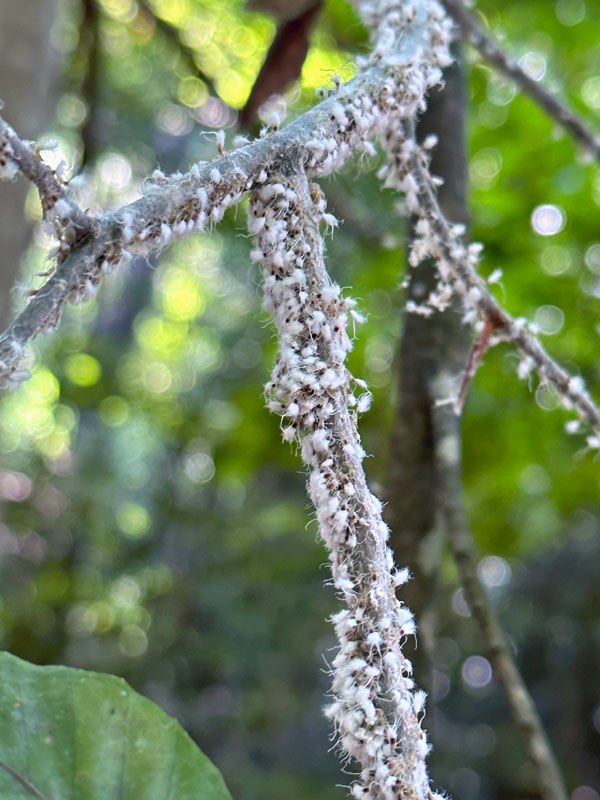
456	261
491	52
17	156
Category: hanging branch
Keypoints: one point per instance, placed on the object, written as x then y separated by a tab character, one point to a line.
491	52
431	353
521	704
375	706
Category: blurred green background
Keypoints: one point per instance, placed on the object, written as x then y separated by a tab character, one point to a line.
152	523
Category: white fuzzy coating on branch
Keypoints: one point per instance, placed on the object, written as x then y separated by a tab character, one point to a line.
375	706
16	156
410	49
456	261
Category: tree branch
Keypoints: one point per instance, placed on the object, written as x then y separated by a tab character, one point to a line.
17	156
460	260
375	707
491	52
431	354
521	704
405	65
434	351
456	262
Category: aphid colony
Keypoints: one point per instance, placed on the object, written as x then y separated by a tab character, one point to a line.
199	209
178	205
312	390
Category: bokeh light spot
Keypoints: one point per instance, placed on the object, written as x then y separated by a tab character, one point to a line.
114	410
459	604
83	369
534	64
477	672
590	92
556	259
549	319
534	479
199	467
485	167
133	641
133	520
585	793
592	258
570	12
181	299
494	571
192	92
548	219
115	171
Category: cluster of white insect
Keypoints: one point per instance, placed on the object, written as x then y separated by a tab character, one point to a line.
456	263
375	706
408	55
9	169
407	170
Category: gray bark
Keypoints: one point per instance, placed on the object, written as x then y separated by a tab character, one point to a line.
28	73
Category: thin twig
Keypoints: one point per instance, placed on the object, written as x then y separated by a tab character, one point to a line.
556	109
522	706
478	350
55	203
455	256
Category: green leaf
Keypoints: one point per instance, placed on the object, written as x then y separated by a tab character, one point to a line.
68	734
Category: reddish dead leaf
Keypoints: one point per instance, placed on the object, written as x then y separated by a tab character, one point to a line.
479	349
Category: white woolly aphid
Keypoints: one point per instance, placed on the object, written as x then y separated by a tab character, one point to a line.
310	387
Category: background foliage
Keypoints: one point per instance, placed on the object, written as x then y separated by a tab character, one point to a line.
154	526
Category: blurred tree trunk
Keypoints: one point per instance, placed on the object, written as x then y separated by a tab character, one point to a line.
28	73
432	353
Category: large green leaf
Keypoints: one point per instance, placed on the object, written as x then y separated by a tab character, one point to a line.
68	734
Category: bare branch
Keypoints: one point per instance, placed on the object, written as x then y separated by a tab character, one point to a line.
521	704
491	52
17	156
